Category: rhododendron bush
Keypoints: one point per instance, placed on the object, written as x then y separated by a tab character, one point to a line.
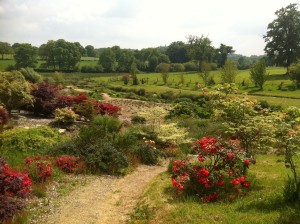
13	185
220	169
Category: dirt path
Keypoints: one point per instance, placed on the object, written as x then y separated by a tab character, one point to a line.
104	200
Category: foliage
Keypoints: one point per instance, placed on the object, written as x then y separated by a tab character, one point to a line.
5	48
205	69
107	60
164	69
14	90
259	74
177	52
4	118
283	36
133	71
69	164
45	95
26	55
229	72
126	78
19	143
138	120
12	186
30	75
172	133
39	168
200	49
220	169
65	116
60	54
92	69
107	109
148	153
222	53
154	116
294	73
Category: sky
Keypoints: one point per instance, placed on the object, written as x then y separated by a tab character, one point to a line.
139	24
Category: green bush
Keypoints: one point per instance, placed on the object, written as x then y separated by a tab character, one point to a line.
65	116
138	120
31	75
148	153
18	143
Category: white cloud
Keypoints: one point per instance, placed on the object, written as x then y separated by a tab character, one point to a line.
138	23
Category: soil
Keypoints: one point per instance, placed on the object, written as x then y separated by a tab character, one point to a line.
106	199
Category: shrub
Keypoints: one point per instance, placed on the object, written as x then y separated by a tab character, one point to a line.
294	73
19	143
220	169
39	168
85	109
148	153
65	116
45	95
68	164
30	75
138	120
4	118
107	109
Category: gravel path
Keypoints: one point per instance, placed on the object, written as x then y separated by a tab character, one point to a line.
104	200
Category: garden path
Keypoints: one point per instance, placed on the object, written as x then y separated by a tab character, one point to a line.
104	200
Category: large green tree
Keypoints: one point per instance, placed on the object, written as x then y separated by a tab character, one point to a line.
221	54
14	90
200	49
5	48
26	55
61	54
178	52
283	36
108	60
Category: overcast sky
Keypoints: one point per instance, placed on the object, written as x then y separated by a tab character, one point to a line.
139	23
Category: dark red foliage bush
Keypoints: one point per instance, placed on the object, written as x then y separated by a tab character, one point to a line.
45	95
68	164
64	101
107	108
12	186
4	118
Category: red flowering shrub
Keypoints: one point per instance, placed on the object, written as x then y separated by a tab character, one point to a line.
12	185
39	168
3	116
220	167
68	164
64	101
107	108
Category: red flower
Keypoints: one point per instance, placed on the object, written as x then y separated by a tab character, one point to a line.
229	156
246	184
235	181
220	183
29	160
204	172
200	158
174	183
247	161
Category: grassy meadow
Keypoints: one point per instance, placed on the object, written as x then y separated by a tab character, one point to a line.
263	203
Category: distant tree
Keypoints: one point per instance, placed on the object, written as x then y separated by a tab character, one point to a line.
125	60
82	50
30	75
258	74
200	49
222	53
14	90
228	72
90	51
133	71
294	73
205	71
164	69
108	60
177	52
283	36
5	48
26	55
243	63
60	54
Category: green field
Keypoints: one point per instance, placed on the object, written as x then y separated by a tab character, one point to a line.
262	204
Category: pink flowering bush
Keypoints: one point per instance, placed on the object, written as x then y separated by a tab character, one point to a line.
220	169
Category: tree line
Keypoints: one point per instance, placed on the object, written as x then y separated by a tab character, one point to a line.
282	49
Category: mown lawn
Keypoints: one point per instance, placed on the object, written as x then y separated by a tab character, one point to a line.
263	203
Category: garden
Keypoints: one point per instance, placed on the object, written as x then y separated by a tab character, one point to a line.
230	156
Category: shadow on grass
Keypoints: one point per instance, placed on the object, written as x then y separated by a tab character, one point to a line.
278	77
